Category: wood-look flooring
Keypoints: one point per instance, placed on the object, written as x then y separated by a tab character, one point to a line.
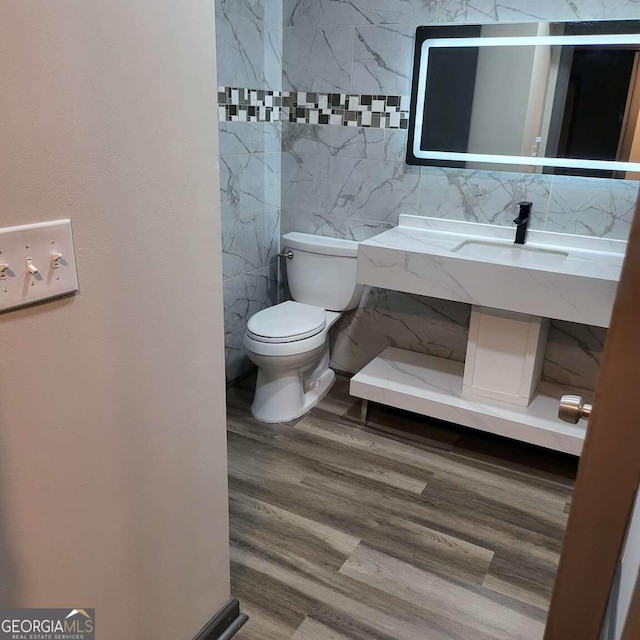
407	529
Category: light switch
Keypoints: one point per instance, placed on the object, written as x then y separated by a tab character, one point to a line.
31	268
37	262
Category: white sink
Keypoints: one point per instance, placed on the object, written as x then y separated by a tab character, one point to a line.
572	278
509	253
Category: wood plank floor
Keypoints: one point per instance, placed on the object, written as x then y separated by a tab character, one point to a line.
407	529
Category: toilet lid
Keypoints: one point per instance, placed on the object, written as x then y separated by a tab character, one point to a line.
286	322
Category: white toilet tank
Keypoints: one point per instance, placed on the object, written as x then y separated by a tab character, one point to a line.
322	271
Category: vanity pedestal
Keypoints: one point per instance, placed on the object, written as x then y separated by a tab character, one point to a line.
505	352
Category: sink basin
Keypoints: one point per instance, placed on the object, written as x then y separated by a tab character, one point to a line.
560	276
516	255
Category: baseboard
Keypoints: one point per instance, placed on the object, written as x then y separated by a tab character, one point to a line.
242	377
341	372
224	624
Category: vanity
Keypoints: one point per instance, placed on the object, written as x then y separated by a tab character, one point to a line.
514	290
507	97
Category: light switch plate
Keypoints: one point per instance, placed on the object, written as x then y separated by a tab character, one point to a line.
46	247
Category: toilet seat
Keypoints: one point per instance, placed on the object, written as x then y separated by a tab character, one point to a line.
287	322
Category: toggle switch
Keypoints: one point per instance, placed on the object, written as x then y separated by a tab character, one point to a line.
31	268
29	255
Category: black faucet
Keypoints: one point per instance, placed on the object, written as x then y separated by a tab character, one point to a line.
522	221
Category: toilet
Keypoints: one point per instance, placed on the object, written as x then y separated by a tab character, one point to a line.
289	342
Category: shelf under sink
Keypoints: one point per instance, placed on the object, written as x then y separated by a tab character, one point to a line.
432	386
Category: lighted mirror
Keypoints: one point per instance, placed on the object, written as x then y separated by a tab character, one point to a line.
558	98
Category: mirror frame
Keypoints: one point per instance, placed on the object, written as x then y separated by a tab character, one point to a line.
625	32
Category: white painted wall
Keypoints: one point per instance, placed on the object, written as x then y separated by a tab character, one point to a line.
630	570
112	428
540	72
501	96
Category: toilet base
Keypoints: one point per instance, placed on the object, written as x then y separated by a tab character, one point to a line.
282	398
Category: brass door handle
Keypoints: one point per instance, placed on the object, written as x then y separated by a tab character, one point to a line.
572	408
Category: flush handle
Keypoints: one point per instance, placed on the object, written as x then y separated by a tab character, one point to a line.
572	408
286	253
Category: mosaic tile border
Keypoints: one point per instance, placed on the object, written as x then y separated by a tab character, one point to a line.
236	104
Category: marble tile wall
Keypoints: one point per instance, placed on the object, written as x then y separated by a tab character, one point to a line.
249	43
365	46
250	183
345	181
345	173
353	183
249	52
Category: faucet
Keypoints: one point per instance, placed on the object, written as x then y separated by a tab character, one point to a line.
522	221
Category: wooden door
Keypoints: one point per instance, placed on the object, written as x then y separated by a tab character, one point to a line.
608	474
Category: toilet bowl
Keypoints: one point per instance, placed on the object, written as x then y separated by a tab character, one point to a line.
289	341
293	367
